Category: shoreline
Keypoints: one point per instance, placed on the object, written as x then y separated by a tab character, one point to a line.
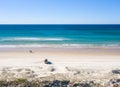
82	51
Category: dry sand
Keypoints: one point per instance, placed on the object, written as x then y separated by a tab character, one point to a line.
74	64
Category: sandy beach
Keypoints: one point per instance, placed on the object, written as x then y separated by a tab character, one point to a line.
99	65
59	43
70	56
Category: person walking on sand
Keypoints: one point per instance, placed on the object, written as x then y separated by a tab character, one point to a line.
47	62
30	51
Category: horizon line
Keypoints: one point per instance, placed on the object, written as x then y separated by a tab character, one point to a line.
59	24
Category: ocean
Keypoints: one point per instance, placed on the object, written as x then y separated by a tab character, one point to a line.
59	35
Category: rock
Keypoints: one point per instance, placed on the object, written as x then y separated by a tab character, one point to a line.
51	69
116	71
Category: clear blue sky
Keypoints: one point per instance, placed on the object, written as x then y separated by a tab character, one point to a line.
59	11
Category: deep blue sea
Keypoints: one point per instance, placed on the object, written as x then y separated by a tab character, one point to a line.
59	35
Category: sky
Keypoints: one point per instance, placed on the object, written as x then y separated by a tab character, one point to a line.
59	11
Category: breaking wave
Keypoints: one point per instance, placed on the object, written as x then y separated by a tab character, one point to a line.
32	39
62	45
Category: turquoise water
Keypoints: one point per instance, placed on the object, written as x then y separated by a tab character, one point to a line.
59	35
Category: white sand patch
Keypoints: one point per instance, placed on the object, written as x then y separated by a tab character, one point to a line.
72	66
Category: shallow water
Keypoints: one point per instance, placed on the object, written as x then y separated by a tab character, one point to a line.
59	35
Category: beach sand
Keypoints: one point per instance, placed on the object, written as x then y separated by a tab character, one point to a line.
75	64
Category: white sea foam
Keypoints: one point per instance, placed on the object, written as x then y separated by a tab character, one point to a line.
32	39
62	46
